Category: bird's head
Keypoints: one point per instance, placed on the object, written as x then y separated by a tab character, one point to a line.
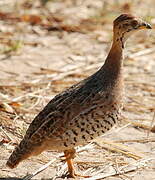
125	25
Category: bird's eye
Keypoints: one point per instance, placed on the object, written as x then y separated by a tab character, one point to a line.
134	23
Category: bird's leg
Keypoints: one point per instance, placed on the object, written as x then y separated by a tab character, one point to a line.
69	155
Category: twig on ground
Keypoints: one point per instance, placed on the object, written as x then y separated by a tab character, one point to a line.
119	148
122	170
28	177
8	136
152	122
143	140
137	124
142	52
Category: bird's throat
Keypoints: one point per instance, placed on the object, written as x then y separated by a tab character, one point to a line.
115	56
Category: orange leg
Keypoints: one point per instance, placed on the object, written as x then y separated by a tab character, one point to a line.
71	169
69	155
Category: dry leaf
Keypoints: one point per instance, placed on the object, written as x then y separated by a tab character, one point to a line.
32	19
153	129
6	107
4	141
15	104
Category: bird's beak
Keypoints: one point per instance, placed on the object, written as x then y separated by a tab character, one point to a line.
145	25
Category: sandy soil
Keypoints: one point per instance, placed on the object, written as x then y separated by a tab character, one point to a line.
33	74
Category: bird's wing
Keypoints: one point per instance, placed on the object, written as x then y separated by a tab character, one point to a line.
64	107
56	122
48	109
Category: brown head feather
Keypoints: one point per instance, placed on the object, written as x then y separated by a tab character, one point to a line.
123	17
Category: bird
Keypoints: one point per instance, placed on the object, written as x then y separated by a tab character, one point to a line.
84	111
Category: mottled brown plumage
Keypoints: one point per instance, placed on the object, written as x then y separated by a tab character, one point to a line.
85	110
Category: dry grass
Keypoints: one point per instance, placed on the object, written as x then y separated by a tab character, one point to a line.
80	43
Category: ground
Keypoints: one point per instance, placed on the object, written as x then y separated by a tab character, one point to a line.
46	46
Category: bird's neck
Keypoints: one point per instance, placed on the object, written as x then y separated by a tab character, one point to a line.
112	68
114	60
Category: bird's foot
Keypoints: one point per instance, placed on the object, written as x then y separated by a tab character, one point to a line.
69	155
75	175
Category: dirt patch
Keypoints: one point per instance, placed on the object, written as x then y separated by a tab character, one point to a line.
62	43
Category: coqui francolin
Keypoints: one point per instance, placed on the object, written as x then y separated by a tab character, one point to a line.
84	111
